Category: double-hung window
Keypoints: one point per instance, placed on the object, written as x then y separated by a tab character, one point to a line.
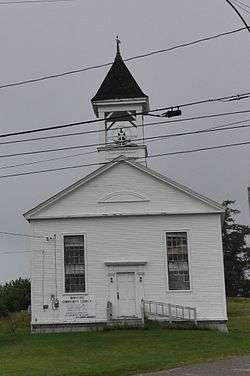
177	261
74	263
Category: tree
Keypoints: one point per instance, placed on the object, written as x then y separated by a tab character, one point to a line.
236	252
14	296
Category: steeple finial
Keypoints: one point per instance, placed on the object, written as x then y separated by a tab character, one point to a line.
118	42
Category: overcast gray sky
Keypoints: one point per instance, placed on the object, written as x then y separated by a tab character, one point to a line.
40	39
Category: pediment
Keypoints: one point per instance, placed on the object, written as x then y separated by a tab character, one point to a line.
104	192
123	196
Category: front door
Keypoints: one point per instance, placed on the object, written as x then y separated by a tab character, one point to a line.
126	295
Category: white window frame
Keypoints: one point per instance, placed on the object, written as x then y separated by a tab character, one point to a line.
189	260
85	263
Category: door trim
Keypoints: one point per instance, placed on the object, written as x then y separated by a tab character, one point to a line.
139	273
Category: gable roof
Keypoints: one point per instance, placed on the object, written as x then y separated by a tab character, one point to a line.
118	83
131	162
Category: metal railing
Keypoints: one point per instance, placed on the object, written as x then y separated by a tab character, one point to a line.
172	312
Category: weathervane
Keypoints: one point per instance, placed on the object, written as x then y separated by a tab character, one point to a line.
118	42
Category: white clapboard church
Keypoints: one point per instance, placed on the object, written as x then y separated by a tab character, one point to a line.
125	243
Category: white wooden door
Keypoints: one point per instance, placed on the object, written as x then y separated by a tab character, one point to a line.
126	295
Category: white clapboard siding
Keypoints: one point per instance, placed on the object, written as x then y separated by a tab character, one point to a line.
124	189
131	238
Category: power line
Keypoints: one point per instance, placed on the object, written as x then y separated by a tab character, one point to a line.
41	151
103	130
229	98
241	7
21	235
13	252
151	139
240	2
80	70
241	17
50	128
52	170
34	2
189	43
200	131
225	127
46	160
200	149
2	252
104	163
188	104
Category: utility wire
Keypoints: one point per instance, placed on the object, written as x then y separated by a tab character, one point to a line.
200	131
103	130
21	235
80	70
224	127
18	251
47	160
188	104
205	39
240	2
241	17
241	7
104	163
41	151
34	2
200	149
229	98
13	252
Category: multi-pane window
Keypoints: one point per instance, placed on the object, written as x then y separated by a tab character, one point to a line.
177	259
74	263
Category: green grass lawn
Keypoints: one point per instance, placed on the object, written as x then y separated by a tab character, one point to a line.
119	352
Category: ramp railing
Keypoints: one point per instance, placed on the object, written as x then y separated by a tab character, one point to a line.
172	312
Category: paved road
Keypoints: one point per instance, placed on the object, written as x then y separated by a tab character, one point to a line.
236	366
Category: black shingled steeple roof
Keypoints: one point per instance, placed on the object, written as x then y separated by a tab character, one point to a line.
119	83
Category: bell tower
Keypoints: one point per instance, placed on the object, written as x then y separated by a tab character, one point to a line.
121	103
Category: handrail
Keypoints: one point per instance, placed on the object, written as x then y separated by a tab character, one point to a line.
172	311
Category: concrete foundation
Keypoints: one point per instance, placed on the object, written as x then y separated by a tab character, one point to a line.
180	324
221	326
126	323
88	327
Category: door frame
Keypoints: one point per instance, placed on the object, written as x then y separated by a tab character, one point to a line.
116	267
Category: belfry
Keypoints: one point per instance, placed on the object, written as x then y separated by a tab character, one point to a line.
121	103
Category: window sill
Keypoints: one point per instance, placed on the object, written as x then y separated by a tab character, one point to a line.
75	293
179	291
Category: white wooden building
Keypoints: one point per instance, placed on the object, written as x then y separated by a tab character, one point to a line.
125	241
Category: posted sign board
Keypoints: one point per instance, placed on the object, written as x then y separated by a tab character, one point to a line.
77	307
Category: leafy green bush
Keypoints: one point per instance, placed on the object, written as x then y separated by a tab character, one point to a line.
14	296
